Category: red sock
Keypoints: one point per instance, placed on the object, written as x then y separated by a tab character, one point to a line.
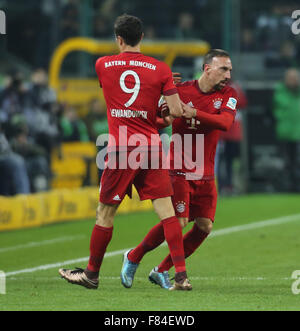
153	239
191	241
173	236
100	239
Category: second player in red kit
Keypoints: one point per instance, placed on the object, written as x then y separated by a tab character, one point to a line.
195	194
209	106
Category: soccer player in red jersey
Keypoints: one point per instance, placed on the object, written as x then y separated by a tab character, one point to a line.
132	84
209	106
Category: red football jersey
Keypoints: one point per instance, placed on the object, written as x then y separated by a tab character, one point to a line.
132	84
215	102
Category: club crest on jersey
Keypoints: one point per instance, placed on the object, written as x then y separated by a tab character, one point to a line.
180	206
217	103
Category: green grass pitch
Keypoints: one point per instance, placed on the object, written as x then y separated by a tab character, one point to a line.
246	264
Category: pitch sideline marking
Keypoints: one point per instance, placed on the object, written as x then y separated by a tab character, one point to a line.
216	233
255	225
61	264
41	243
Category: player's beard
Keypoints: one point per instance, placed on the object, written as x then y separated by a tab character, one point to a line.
220	85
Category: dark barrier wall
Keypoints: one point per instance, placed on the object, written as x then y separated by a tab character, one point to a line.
265	158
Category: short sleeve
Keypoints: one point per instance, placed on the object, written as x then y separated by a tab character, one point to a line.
168	87
98	69
230	102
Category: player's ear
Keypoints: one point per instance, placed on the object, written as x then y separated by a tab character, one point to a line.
119	40
206	68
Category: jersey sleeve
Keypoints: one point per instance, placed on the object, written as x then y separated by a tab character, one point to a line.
168	87
222	121
98	66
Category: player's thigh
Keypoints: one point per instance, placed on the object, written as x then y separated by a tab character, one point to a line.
152	184
163	207
115	184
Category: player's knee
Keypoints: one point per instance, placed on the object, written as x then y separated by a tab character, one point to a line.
204	224
164	208
104	222
183	222
105	216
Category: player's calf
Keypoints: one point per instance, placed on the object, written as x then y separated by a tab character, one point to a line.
183	221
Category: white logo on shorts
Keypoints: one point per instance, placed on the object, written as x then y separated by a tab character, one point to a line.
117	198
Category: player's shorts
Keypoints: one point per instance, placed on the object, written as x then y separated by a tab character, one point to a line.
194	198
150	184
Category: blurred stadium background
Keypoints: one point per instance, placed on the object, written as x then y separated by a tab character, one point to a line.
52	110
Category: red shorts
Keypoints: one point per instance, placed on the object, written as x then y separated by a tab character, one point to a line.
150	184
194	198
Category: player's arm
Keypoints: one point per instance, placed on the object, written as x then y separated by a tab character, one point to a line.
174	105
176	77
221	121
163	118
169	91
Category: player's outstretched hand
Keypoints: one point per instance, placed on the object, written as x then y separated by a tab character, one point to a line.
188	112
176	77
165	111
168	120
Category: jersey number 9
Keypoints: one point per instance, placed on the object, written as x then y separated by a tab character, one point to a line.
135	90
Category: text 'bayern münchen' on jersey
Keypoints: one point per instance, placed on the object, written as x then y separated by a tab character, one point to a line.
132	84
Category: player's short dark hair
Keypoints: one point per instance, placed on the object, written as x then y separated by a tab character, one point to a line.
214	53
130	28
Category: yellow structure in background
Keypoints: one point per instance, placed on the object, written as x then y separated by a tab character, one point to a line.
81	91
26	211
74	165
